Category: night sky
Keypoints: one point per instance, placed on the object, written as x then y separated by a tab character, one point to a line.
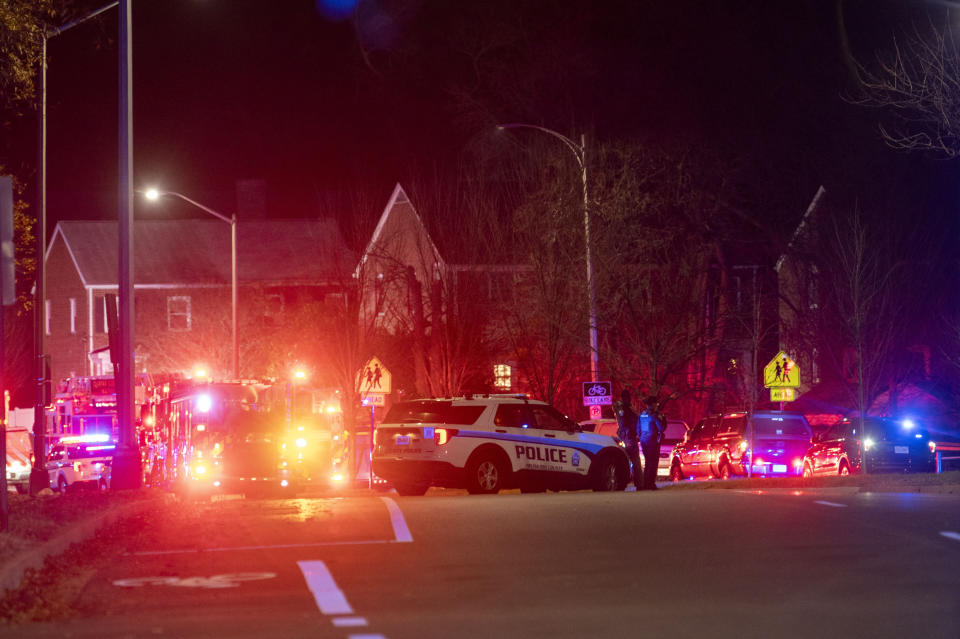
324	108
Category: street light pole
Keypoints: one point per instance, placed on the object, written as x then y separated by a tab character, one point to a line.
579	152
154	194
39	478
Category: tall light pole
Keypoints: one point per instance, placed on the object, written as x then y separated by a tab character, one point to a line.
39	478
127	469
579	152
153	195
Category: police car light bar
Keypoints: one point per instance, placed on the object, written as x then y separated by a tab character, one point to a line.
85	439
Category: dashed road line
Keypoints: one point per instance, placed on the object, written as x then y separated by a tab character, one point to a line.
349	622
832	504
330	599
400	531
949	534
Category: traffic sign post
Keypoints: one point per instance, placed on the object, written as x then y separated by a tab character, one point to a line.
597	394
782	377
374	382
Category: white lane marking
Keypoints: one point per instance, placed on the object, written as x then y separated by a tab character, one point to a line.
366	637
269	547
832	504
230	580
330	599
347	622
400	530
951	535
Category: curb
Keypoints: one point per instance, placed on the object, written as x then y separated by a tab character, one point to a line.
11	573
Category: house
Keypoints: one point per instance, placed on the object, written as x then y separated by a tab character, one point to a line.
836	269
182	288
407	287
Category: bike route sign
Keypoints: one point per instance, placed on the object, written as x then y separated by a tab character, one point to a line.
597	393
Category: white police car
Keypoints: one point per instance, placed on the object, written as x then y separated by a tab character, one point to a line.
491	442
81	460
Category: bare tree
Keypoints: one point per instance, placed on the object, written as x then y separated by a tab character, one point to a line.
917	81
661	239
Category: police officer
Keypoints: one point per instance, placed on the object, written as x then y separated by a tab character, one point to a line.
627	432
651	432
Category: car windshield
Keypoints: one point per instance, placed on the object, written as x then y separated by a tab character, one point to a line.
781	426
892	430
432	412
674	432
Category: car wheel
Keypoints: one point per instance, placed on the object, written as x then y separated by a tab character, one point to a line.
844	469
410	490
62	484
807	470
607	477
724	470
486	475
675	472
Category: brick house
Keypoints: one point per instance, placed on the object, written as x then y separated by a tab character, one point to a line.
182	288
445	306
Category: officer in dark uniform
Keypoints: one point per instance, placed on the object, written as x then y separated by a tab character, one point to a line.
651	432
628	433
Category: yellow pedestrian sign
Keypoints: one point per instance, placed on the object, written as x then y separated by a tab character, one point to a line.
374	378
781	372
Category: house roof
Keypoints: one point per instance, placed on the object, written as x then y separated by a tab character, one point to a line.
400	220
192	251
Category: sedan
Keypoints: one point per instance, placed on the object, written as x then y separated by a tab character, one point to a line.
882	445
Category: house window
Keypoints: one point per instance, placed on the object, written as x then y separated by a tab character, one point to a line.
501	376
46	317
178	313
99	315
73	315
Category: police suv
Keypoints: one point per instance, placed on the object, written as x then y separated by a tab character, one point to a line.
491	442
82	460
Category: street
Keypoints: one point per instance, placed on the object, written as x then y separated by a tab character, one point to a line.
679	563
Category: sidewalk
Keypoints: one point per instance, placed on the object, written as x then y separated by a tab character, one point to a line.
45	526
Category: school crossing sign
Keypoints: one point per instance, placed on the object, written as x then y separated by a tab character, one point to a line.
782	377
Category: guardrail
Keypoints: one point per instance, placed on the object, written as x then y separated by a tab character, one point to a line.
952	456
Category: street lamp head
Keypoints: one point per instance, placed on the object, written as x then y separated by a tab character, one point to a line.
151	194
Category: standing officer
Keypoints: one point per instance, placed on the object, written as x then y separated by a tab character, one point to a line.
651	432
627	432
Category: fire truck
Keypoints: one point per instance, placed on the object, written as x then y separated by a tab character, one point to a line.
88	406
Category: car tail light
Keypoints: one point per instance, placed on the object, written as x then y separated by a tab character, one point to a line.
442	435
933	446
77	466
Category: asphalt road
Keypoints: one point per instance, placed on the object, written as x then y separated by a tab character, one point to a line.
701	563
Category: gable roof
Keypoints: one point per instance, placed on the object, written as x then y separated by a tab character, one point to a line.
192	251
400	220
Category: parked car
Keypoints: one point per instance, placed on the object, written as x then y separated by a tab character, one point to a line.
80	461
673	434
487	443
719	447
887	445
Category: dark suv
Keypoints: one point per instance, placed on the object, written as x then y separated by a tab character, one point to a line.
718	447
887	445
